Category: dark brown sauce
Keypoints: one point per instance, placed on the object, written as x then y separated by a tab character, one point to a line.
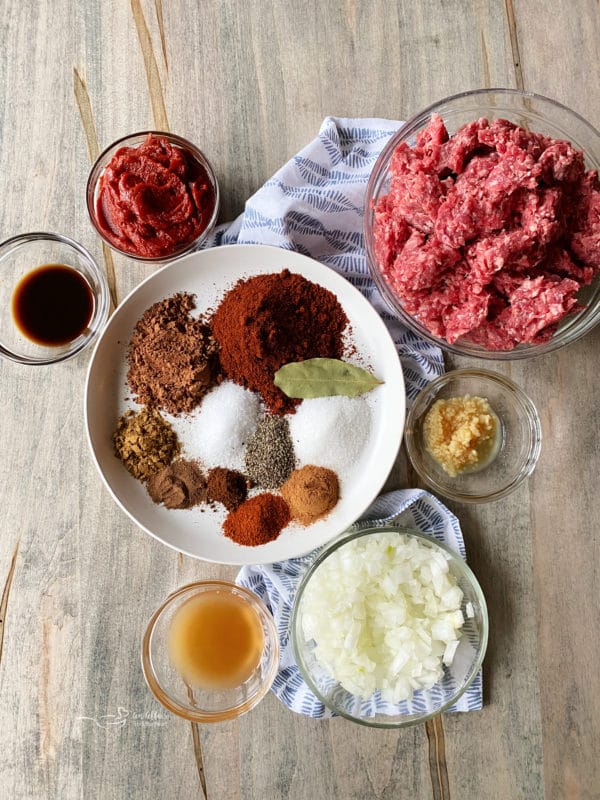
52	305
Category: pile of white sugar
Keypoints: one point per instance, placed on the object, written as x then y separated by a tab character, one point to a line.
331	432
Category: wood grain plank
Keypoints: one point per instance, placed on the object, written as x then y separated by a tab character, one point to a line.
82	98
155	89
565	518
5	594
480	746
437	758
514	43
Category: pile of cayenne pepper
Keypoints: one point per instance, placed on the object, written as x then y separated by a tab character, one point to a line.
261	324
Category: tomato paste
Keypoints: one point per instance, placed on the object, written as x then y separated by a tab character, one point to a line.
154	199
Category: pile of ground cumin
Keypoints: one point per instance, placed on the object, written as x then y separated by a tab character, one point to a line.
145	442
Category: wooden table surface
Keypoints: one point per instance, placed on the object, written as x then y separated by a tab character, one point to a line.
250	82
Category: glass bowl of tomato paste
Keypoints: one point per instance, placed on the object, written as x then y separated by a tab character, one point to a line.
482	224
153	196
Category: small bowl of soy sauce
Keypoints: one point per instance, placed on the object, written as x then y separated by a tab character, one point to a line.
54	298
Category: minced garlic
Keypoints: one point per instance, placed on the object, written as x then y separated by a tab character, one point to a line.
461	433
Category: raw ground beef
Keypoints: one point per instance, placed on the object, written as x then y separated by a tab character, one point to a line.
488	234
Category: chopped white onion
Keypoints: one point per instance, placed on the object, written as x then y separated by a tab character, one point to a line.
384	612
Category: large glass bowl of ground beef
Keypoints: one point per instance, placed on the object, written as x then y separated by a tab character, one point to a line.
482	224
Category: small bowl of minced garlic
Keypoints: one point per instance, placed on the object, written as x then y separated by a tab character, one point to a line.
473	435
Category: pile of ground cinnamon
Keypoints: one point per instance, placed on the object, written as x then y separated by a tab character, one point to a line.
311	493
173	357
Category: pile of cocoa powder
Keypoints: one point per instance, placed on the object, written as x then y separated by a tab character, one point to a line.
173	357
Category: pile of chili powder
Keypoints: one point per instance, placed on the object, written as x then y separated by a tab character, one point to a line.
270	320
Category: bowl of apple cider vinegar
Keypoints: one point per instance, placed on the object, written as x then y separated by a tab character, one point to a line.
210	652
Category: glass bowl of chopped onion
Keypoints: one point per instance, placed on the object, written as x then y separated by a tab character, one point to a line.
473	435
481	224
390	628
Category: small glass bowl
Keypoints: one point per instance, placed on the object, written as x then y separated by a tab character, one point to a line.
519	444
19	256
539	114
426	703
198	704
134	140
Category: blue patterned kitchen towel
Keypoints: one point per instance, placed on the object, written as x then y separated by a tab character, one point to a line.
276	585
315	205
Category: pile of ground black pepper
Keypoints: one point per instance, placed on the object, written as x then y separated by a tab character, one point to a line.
269	454
173	357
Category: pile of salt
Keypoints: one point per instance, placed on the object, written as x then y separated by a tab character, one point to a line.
225	423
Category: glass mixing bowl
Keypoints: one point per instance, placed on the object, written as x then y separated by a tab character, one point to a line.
195	157
519	436
22	255
530	111
207	703
425	704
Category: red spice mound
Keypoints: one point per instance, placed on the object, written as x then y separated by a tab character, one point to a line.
267	321
490	233
257	521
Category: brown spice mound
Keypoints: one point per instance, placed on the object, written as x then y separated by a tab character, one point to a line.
173	358
145	442
311	493
257	521
180	485
270	320
226	486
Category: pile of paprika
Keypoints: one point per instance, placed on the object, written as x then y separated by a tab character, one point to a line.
257	521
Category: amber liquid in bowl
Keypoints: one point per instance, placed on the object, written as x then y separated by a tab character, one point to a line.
215	640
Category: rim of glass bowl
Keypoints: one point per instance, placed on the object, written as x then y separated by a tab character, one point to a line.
101	297
430	392
100	165
573	327
198	715
461	566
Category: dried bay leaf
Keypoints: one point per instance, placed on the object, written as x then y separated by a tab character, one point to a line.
324	377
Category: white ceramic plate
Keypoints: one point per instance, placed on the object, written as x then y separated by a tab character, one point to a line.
209	274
